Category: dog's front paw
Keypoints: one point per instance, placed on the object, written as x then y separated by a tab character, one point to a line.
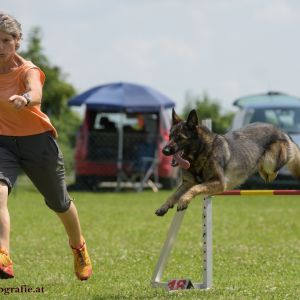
182	205
162	210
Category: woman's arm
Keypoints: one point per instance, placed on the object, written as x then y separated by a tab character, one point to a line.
33	91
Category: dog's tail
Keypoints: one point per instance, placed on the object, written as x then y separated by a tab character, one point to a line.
294	162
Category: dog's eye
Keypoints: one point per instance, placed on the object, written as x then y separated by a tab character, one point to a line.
180	137
172	137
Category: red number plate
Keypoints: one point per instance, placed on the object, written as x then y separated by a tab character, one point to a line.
179	284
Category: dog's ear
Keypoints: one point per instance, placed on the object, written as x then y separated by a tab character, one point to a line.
175	118
192	119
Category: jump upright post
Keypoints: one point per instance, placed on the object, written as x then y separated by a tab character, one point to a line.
176	284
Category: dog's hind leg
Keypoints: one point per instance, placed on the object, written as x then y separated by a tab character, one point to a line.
272	160
294	162
173	199
265	173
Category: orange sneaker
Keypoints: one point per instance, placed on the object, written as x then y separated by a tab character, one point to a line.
82	262
6	265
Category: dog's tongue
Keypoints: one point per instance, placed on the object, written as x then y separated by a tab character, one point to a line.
183	163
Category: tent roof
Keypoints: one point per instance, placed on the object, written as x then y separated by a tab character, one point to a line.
122	96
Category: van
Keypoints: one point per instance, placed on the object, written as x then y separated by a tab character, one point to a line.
123	146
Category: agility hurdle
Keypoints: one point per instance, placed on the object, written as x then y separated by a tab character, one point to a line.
207	255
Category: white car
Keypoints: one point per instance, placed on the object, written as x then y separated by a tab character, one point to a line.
278	109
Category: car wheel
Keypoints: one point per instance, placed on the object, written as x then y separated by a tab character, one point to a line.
86	182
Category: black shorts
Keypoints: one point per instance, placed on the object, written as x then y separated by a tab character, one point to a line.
40	158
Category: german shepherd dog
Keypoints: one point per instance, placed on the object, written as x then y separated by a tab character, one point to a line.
212	163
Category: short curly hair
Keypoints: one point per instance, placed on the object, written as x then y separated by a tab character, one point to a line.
10	25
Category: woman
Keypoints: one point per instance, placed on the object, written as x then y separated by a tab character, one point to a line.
28	141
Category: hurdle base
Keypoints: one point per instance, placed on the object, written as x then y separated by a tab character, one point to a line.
165	285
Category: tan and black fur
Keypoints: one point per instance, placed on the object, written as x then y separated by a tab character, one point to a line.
223	162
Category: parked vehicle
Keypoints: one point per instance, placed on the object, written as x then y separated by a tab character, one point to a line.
123	131
276	108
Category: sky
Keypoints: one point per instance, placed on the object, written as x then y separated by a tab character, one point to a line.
224	48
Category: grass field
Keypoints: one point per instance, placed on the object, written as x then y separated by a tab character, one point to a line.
256	243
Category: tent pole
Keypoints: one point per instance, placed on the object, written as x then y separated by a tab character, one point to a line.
120	153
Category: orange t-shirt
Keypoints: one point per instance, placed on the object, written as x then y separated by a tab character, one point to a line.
28	120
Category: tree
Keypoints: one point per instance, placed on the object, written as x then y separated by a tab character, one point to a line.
208	108
56	93
56	90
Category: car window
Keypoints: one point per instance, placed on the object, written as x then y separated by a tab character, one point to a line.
286	118
130	121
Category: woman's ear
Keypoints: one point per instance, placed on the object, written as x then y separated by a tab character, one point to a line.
17	43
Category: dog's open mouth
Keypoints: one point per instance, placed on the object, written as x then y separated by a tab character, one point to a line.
178	160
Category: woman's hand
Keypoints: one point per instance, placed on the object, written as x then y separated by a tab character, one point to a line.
18	101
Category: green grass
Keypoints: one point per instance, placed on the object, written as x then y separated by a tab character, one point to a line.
256	243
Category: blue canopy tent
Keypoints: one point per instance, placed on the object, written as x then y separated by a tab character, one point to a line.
122	97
